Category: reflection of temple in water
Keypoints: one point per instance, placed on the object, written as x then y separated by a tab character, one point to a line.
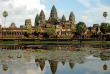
54	53
70	46
53	65
42	64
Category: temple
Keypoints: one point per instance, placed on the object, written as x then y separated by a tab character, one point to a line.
62	28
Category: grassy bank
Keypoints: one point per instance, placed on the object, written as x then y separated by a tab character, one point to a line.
54	42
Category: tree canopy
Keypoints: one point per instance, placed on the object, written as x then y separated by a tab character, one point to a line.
29	30
38	29
51	30
80	28
5	14
104	27
73	30
105	14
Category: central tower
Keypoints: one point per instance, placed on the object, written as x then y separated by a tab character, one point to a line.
53	14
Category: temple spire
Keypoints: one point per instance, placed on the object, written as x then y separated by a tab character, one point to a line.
63	18
37	17
53	14
37	20
42	17
72	18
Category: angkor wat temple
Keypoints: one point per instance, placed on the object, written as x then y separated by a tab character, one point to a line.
62	26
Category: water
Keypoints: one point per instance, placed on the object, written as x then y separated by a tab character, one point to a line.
55	58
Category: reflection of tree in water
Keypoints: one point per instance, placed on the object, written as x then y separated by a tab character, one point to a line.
105	67
105	56
5	67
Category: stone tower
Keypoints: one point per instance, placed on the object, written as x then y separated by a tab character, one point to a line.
63	18
28	23
53	14
72	18
12	25
42	17
37	20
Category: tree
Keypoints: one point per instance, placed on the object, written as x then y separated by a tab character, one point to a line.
29	30
105	67
109	28
5	67
105	15
51	30
81	28
38	30
104	27
73	30
5	14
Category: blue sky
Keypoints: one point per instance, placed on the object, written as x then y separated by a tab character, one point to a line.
88	11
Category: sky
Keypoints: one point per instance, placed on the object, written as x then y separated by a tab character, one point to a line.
88	11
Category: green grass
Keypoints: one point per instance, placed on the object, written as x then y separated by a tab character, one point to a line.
54	42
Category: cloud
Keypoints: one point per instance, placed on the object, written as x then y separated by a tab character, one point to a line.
84	2
90	3
61	13
22	68
48	1
19	10
38	71
93	15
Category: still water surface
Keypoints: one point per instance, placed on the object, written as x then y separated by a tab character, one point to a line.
55	58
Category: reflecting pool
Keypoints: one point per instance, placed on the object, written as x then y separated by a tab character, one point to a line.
69	58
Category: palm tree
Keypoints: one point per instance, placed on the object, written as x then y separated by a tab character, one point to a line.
81	28
105	15
5	14
5	67
104	27
105	67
